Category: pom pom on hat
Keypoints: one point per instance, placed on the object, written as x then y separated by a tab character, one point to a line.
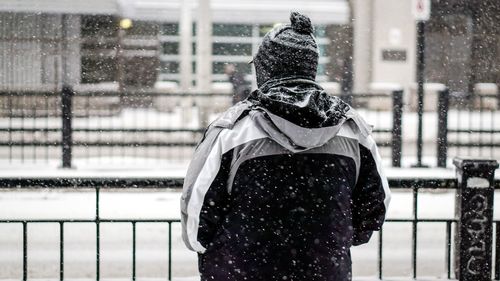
301	23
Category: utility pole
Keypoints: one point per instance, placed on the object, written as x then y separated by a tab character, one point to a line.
186	46
186	62
204	57
421	11
420	87
204	46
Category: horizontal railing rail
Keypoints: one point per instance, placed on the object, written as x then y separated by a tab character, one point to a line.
122	182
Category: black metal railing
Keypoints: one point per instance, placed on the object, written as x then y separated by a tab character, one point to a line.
373	106
97	184
416	186
467	125
151	125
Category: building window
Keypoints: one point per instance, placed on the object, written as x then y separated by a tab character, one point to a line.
169	67
170	48
232	44
169	29
232	49
236	30
96	70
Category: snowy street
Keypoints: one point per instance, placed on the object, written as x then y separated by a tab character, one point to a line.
116	259
152	238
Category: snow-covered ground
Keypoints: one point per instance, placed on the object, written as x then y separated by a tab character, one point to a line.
152	238
116	244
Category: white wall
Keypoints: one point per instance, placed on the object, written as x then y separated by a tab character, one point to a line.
362	44
395	29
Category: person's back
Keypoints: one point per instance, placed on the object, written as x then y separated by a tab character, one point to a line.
285	182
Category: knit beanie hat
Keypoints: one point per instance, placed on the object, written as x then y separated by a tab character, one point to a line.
288	51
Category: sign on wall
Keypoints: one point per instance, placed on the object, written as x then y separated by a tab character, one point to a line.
393	55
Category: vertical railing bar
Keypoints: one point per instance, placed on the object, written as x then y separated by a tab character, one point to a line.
414	232
99	147
25	251
480	136
10	126
158	150
23	121
442	134
492	127
121	135
470	115
148	148
34	112
57	111
448	249
47	135
97	221
108	109
169	251
380	257
458	127
397	115
61	251
135	135
158	136
87	126
67	126
497	251
133	251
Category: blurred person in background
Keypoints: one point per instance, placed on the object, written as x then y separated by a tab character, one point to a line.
285	182
241	89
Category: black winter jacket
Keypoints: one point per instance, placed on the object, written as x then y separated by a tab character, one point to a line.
281	186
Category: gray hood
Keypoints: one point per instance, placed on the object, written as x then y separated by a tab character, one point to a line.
290	135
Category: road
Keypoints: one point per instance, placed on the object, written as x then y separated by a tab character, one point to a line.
152	239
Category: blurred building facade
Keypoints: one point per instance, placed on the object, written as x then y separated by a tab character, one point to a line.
462	41
82	42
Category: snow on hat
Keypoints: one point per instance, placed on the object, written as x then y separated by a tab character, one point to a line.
288	51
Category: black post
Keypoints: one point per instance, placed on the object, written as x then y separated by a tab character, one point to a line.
498	94
346	83
397	122
474	211
67	139
420	89
442	133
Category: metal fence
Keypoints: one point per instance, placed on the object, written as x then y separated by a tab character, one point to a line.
468	125
466	209
97	184
40	126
